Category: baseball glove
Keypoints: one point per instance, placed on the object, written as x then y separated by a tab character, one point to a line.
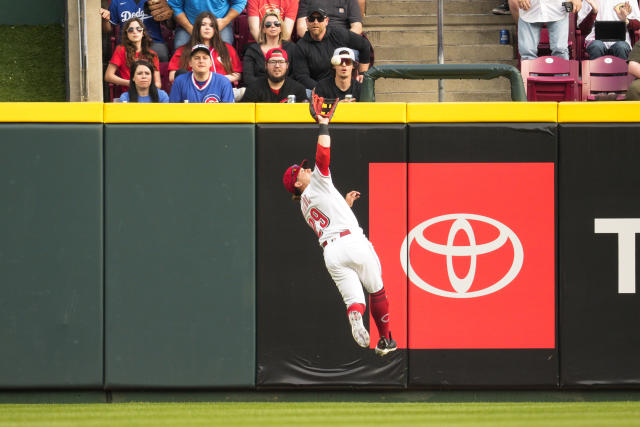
320	106
160	10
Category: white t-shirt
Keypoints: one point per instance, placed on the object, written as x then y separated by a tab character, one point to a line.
325	210
544	11
607	13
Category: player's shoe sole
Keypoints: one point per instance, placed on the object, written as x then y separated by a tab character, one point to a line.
386	346
359	332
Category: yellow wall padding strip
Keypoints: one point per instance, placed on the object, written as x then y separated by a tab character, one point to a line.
179	113
460	112
51	112
599	112
346	112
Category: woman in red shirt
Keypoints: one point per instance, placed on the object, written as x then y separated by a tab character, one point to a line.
205	31
135	45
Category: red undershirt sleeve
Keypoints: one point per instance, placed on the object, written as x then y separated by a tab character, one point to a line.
322	159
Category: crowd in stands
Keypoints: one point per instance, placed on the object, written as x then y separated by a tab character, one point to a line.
574	22
188	49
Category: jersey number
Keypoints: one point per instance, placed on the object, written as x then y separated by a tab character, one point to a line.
317	221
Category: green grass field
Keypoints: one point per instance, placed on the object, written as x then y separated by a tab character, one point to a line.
324	414
32	60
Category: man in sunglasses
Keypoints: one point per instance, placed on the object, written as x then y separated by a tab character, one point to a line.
342	13
276	87
312	57
342	85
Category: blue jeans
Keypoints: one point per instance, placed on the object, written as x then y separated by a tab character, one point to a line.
182	37
597	48
529	37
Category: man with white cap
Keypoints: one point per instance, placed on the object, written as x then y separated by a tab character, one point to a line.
342	84
201	84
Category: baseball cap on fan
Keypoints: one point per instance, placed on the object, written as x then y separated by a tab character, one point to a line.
291	175
316	7
276	52
200	47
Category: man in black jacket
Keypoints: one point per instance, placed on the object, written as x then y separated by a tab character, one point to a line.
276	87
312	57
342	85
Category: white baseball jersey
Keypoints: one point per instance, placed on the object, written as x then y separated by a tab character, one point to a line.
325	209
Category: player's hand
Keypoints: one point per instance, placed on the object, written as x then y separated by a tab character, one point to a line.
105	14
323	120
351	197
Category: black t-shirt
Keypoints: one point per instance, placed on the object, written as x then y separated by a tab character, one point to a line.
341	12
260	91
327	88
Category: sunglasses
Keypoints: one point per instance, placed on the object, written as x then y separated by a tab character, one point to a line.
345	61
137	29
315	18
269	24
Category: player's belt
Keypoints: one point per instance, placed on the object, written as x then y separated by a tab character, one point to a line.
342	234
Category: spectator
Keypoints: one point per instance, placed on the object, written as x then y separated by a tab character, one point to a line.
342	14
342	85
141	85
608	10
287	10
253	63
201	85
276	86
135	45
533	14
205	32
633	93
120	12
312	56
186	12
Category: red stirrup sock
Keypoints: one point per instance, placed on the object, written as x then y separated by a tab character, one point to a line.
356	307
380	312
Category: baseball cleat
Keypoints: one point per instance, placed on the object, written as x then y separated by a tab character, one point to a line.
386	345
358	330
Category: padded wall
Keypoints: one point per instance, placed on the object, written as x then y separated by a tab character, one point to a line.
599	222
180	271
51	255
480	255
303	336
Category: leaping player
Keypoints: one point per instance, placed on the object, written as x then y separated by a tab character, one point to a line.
348	254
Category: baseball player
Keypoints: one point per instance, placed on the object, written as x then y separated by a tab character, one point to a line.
348	254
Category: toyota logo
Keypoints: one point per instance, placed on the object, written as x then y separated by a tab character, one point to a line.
461	224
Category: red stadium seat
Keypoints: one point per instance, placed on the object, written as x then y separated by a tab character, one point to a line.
550	78
242	35
605	78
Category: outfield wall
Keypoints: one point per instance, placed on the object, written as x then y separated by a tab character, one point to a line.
164	253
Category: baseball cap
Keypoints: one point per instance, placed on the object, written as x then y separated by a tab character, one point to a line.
200	47
316	7
276	52
291	175
343	52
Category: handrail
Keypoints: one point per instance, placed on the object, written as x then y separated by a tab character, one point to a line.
442	71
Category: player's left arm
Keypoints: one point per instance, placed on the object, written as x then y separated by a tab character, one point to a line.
351	197
323	148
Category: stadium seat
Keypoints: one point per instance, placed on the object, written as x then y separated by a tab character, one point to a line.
164	76
550	78
241	34
605	78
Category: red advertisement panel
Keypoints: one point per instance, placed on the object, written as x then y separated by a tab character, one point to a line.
479	252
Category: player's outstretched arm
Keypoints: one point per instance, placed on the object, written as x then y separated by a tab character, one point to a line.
324	139
351	197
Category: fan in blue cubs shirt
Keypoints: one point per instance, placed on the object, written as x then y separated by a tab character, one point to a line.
201	85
